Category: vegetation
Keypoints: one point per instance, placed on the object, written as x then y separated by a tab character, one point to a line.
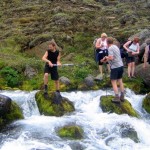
71	132
146	103
123	108
48	106
14	114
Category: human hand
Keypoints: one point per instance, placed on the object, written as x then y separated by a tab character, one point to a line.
50	64
59	64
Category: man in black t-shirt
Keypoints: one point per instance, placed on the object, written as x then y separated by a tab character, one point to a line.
51	57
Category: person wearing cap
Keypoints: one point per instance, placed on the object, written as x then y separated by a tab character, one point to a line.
132	48
102	50
146	54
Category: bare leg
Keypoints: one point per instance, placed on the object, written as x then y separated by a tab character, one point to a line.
45	78
121	85
57	84
132	68
101	69
129	69
114	85
108	67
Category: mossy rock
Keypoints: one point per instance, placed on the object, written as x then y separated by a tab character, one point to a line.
14	114
134	84
71	132
122	108
146	103
48	107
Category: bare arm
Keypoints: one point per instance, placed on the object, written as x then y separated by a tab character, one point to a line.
126	45
58	60
98	43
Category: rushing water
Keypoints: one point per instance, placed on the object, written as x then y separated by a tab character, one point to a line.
102	131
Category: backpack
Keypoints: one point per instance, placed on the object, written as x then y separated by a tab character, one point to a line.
123	51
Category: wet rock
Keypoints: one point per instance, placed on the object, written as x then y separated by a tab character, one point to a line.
77	146
5	105
123	108
146	103
71	132
129	132
53	104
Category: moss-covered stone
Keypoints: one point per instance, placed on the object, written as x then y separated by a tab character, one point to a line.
146	103
134	84
71	132
47	105
122	108
14	114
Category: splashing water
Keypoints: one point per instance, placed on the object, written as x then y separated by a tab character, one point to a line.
102	131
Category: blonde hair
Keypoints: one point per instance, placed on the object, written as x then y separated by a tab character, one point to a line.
103	35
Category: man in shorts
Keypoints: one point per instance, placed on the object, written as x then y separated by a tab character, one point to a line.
51	57
116	65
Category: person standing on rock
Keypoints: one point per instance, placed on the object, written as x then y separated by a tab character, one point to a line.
132	48
51	57
116	66
102	51
147	54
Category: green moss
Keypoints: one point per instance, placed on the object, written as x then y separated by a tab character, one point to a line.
48	107
146	103
14	114
71	132
134	84
123	108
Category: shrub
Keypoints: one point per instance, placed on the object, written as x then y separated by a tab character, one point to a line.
11	76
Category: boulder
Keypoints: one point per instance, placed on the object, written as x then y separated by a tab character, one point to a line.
143	35
122	108
89	81
65	80
71	132
146	103
9	111
5	105
30	72
53	104
143	73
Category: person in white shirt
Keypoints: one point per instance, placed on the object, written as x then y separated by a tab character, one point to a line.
132	48
102	50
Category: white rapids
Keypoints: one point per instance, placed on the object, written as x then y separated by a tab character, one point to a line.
102	131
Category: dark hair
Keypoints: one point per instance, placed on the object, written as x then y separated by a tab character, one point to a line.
110	40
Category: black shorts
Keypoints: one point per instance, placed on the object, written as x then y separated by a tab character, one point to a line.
102	54
116	73
130	59
53	71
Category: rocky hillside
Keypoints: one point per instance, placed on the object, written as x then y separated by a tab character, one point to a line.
74	24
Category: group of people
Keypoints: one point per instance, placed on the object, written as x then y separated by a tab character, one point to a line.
106	53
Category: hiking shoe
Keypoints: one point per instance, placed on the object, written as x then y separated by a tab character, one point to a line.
133	77
116	99
122	98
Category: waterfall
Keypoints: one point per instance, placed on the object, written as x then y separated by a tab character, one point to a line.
25	100
102	131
